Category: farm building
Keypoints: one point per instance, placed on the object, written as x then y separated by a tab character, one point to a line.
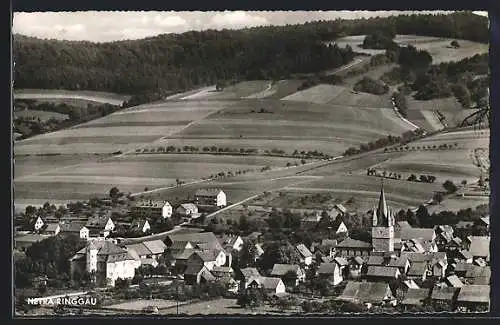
100	226
382	273
246	275
367	292
480	247
444	296
25	241
75	228
188	210
51	229
353	247
415	297
197	273
152	208
305	254
210	197
148	249
231	242
331	272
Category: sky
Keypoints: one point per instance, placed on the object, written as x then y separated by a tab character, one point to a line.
102	26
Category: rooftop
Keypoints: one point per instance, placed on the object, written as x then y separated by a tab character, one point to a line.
480	246
354	243
304	251
150	204
210	192
282	269
415	297
382	271
375	292
474	293
427	234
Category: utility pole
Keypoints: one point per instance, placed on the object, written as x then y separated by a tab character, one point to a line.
177	295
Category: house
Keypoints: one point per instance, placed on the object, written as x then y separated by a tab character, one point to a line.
353	247
222	272
284	270
401	225
409	284
152	209
480	247
52	229
415	297
424	234
402	263
209	258
338	210
38	224
148	249
210	197
271	285
197	273
464	225
328	247
355	266
140	225
100	226
478	274
246	274
231	242
453	281
474	298
454	245
419	246
305	254
106	260
258	252
444	296
464	256
75	228
377	293
339	227
382	273
331	272
187	210
436	263
417	270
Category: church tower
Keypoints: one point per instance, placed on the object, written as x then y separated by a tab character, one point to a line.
383	226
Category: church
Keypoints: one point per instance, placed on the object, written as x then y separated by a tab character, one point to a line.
383	226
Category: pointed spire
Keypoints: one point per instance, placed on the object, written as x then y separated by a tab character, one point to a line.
382	211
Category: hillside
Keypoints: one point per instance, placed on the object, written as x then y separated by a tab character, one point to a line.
176	62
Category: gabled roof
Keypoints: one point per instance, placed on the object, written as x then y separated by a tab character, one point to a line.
97	222
304	251
268	283
139	223
139	248
464	224
417	269
382	271
72	226
426	234
52	227
179	245
282	269
340	207
402	224
486	220
196	238
476	271
189	206
424	257
480	246
398	262
358	260
107	251
155	246
341	261
354	243
207	255
410	284
193	269
375	260
327	268
454	281
465	254
443	293
249	272
415	297
210	192
223	269
374	292
474	293
150	204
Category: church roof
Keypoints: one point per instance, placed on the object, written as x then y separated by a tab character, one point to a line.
382	216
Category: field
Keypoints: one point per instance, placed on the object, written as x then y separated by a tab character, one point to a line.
439	48
130	174
120	131
42	115
58	94
140	304
457	203
219	306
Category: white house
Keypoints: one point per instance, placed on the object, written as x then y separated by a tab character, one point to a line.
231	243
152	208
210	196
38	223
331	272
271	285
84	232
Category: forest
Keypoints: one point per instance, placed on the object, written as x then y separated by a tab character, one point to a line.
170	63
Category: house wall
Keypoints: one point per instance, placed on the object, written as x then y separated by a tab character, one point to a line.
342	228
91	259
166	211
110	226
84	233
120	270
146	227
308	260
39	223
221	199
280	288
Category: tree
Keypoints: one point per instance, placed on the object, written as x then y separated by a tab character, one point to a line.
114	193
450	187
455	44
412	178
279	253
438	197
464	182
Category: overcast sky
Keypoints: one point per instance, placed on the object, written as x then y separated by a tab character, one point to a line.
101	26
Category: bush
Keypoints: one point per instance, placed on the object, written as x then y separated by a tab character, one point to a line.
371	86
450	187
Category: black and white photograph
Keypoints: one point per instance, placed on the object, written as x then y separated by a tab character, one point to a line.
239	163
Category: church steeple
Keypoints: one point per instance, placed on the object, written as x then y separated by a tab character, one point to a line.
382	216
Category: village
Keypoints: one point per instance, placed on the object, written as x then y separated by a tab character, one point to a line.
153	243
